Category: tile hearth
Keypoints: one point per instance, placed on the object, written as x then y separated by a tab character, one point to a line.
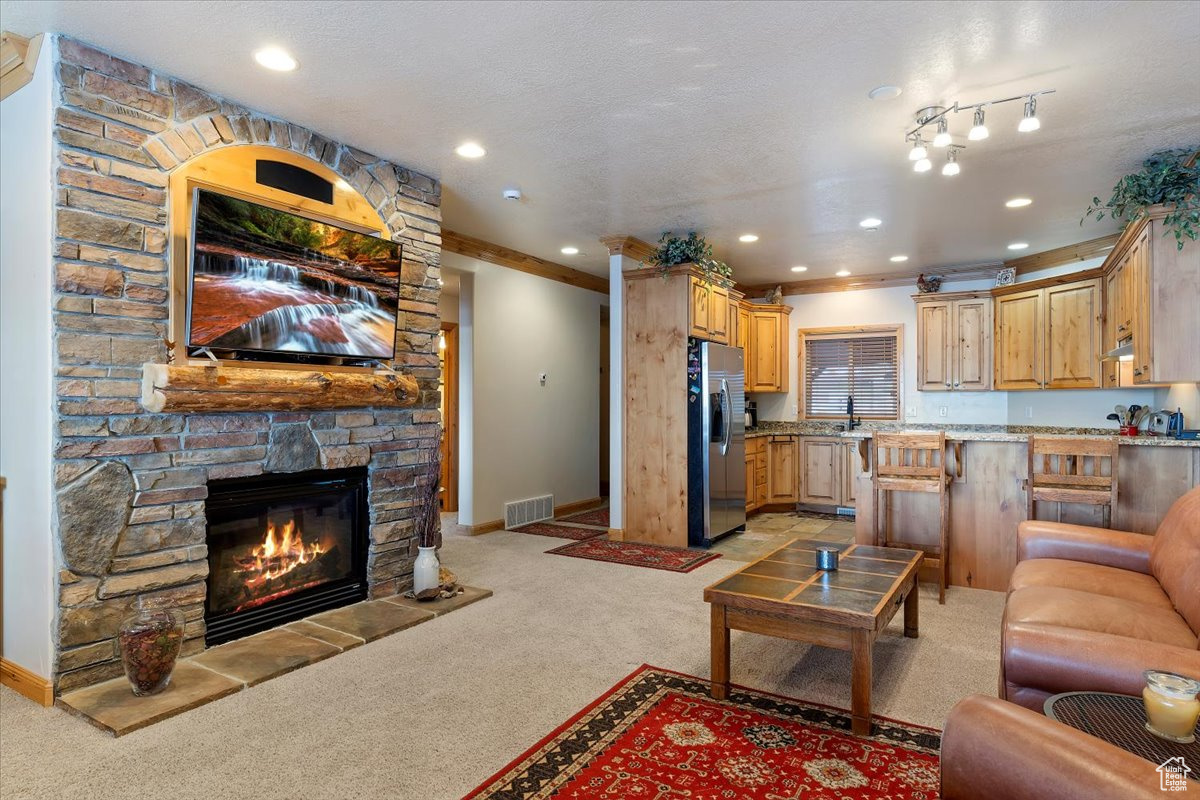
221	671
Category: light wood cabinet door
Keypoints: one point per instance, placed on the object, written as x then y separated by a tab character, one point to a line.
1019	340
718	314
1139	298
971	327
820	472
750	494
934	351
760	477
851	469
1110	370
781	469
1073	335
698	309
768	350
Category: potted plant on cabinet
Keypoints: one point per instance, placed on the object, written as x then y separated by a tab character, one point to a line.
1168	178
692	249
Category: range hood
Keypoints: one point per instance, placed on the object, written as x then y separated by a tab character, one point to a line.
1122	352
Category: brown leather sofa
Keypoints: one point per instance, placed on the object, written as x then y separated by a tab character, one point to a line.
1089	609
993	750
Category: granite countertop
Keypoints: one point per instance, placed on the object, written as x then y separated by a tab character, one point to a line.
960	433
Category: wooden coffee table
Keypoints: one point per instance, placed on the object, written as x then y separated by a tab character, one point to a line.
783	594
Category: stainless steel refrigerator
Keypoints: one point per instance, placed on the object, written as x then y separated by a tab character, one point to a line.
716	442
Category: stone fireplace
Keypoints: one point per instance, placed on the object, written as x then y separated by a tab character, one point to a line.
139	494
282	547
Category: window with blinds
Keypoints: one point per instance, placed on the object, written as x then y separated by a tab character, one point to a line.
865	366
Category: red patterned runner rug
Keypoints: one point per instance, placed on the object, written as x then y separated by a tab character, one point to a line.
635	554
597	517
659	735
559	531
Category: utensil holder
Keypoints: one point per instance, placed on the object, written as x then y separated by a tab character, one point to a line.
1129	430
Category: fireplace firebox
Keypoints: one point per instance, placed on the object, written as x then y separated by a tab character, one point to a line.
282	547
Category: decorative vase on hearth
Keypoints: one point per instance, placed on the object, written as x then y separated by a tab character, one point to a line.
425	571
150	638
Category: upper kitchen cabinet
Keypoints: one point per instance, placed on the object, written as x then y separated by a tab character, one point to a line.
1048	333
1157	294
954	342
767	351
708	310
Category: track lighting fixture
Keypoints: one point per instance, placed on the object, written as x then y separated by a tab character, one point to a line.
942	139
1029	122
951	167
979	131
939	117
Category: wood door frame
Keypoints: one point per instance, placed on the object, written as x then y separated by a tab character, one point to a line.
449	330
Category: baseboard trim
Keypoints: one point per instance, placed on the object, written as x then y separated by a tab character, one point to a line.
487	527
578	505
38	689
616	534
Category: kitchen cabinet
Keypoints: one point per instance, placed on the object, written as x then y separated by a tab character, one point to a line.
1048	334
708	311
1157	289
767	353
829	470
781	469
757	469
954	342
751	500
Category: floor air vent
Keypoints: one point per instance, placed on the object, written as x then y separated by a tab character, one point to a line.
523	512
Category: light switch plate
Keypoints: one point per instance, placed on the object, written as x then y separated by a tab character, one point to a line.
943	411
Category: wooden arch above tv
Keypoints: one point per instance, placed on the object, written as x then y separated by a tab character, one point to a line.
232	170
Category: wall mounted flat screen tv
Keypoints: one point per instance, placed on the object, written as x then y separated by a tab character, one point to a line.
269	281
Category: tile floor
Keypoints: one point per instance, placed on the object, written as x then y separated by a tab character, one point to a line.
766	532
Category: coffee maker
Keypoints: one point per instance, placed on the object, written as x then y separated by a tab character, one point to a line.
751	414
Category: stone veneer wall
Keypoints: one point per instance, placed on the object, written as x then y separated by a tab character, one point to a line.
131	485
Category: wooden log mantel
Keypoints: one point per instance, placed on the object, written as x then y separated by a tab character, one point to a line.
217	387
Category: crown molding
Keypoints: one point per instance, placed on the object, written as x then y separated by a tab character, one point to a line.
18	59
1082	251
880	280
503	256
628	246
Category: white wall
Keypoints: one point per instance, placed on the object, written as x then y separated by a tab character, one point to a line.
448	307
1083	408
26	370
526	439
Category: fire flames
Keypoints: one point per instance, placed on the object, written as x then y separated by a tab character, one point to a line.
281	552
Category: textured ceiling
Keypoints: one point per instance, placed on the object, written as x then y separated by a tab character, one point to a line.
727	118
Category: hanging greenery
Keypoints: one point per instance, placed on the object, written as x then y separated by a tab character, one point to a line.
1170	178
673	251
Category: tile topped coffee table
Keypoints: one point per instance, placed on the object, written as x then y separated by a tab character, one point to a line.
783	594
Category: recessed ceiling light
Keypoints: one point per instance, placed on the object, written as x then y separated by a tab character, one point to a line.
748	237
276	58
1018	202
885	92
842	273
870	222
799	269
898	259
1018	245
570	251
470	150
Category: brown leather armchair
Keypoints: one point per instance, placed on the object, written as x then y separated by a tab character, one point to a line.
993	750
1089	609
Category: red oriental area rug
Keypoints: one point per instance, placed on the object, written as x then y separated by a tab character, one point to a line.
559	531
597	517
654	556
659	735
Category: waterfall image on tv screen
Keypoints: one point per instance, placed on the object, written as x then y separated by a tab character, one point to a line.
268	280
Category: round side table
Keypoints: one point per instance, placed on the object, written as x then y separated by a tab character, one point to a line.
1118	719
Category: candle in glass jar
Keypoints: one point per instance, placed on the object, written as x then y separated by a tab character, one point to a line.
1172	706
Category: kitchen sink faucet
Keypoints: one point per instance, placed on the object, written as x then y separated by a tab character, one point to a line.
852	423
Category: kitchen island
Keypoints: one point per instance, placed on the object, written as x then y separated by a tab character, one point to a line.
987	496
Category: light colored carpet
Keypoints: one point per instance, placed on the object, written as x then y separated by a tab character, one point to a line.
431	712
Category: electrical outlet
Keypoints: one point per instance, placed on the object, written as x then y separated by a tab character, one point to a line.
795	409
1028	412
943	411
542	379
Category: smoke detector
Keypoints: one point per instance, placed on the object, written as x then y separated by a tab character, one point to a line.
512	194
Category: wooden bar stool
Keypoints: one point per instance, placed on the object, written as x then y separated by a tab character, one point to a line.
913	462
1073	471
